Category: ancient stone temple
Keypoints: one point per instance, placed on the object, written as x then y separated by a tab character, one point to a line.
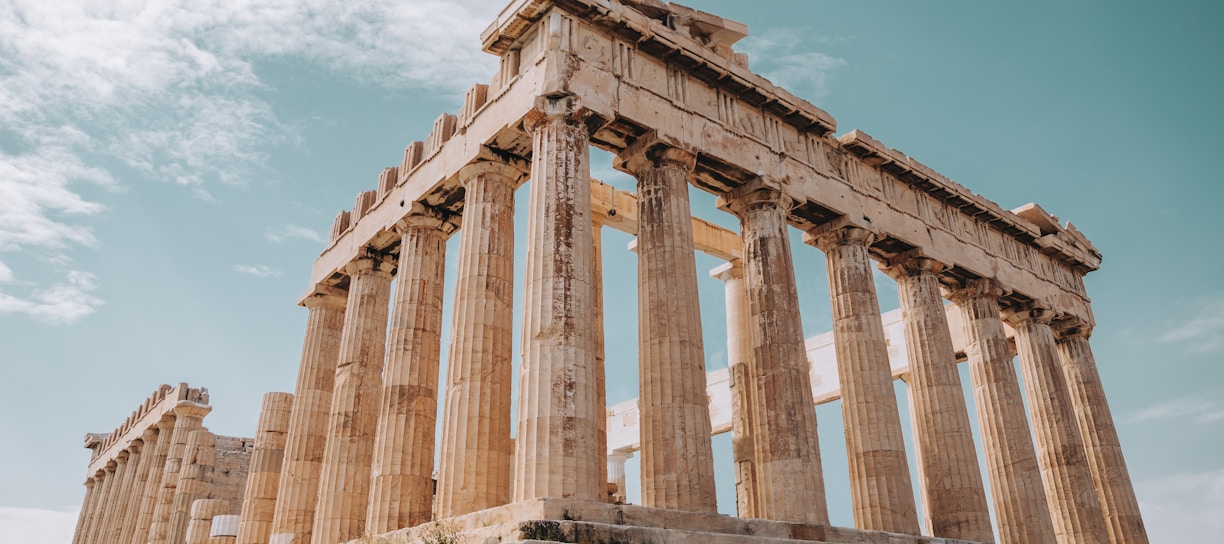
352	453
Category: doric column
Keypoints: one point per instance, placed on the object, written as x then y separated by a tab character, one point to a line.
344	481
188	417
474	469
401	493
1021	511
113	498
298	489
195	482
601	387
616	473
880	484
153	483
1060	451
123	500
259	499
740	371
790	484
1113	484
202	513
90	535
953	497
140	481
224	530
557	451
87	506
677	460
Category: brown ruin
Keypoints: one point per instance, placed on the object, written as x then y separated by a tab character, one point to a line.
351	454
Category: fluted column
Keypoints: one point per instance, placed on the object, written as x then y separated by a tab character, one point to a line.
113	498
93	526
259	498
202	513
616	474
139	483
123	500
87	506
880	484
1070	493
557	450
401	493
474	470
1021	512
1114	491
188	417
195	482
224	530
677	460
601	386
298	489
953	497
344	481
740	371
153	483
790	484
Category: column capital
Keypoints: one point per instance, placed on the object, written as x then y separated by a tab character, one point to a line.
371	263
651	151
1071	328
911	264
964	290
492	169
186	408
149	434
166	423
732	270
90	482
1027	313
135	446
754	195
324	295
566	108
839	233
422	216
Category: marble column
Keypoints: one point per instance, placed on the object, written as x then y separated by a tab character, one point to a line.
616	474
298	488
677	459
344	481
123	499
880	484
740	371
1070	493
140	481
474	469
224	530
97	518
87	506
1115	493
113	498
1021	512
557	450
259	498
195	482
790	484
953	496
157	469
402	490
601	387
202	513
188	417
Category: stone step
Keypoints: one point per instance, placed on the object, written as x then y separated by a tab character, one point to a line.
585	532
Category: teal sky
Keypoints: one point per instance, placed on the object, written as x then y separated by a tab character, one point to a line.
169	170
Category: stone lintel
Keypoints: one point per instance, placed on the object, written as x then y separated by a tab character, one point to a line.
161	404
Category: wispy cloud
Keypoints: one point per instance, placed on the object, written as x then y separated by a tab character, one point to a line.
790	57
258	270
62	303
1202	330
35	526
278	235
1183	507
1206	407
170	90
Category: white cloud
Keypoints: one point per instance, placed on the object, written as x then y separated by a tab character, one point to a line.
63	303
288	232
35	526
1183	507
1201	332
259	271
788	57
1206	407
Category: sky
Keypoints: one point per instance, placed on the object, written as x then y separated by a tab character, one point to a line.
169	170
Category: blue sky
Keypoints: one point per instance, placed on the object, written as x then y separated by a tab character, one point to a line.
169	170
